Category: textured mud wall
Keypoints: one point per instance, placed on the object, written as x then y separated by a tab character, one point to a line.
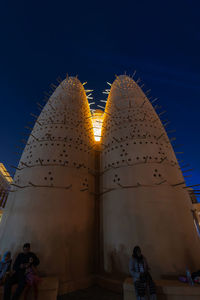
142	196
80	209
52	205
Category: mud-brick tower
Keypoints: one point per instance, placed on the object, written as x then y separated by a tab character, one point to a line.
142	188
52	203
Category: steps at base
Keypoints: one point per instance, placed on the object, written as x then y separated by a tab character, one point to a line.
166	290
48	289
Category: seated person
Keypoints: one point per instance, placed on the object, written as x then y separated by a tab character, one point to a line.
139	270
32	280
24	260
5	265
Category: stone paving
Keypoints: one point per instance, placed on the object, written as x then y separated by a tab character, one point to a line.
92	293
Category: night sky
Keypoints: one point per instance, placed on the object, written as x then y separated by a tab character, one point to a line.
42	40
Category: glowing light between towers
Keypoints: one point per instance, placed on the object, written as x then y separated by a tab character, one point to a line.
97	120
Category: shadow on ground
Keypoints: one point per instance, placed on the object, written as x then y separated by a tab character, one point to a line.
92	293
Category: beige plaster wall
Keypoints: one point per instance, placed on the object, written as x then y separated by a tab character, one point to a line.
138	190
52	203
142	197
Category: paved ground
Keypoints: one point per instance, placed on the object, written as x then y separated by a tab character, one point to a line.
92	293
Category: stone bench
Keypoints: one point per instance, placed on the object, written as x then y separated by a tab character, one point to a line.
166	290
48	289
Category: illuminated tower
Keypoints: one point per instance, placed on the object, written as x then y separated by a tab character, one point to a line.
84	198
52	205
144	201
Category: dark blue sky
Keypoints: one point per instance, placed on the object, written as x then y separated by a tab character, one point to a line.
41	40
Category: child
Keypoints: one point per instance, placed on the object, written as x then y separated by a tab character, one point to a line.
32	280
5	265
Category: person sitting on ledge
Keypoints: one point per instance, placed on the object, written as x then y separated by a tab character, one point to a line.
5	265
139	270
24	260
32	280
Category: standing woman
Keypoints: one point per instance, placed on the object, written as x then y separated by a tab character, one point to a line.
139	270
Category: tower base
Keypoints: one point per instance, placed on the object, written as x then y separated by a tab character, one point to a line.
48	289
166	290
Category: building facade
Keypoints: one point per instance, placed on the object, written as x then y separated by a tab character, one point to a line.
5	181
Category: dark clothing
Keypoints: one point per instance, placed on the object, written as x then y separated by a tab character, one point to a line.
143	282
19	276
195	274
16	278
4	268
23	258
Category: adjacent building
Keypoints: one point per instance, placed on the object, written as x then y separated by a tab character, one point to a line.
5	181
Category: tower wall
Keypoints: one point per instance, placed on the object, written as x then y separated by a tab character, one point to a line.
52	205
75	220
143	201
